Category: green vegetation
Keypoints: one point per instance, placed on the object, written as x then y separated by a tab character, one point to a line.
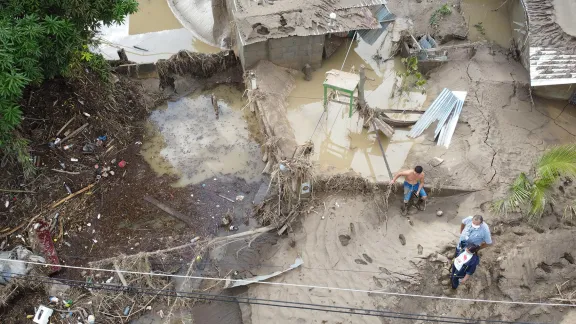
531	193
480	28
440	13
412	78
42	39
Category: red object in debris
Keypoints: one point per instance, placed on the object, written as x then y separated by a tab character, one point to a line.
122	163
46	245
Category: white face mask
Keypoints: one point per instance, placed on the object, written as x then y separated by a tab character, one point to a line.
475	226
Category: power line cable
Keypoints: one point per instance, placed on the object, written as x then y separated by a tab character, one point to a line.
245	281
260	301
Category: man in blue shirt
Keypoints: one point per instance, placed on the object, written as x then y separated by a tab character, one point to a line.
473	230
464	265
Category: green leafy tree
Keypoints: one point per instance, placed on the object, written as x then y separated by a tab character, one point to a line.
40	39
531	193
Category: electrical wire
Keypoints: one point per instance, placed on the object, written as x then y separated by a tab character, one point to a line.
266	302
375	292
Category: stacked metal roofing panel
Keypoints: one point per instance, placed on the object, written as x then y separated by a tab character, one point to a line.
446	110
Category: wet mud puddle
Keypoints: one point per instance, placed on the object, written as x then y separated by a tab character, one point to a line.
186	140
341	143
486	24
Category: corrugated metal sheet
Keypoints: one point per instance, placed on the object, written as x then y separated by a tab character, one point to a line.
371	35
447	131
552	66
446	110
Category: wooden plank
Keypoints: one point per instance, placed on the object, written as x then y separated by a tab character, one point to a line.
169	210
386	129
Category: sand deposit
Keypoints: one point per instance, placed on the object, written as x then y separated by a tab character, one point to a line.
499	135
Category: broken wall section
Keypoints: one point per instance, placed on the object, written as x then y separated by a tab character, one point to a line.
291	52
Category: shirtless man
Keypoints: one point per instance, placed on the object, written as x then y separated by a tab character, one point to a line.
413	179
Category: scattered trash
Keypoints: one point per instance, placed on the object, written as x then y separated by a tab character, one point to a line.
42	315
231	284
282	167
67	188
67	147
148	307
89	148
203	185
233	228
122	163
67	244
62	165
86	114
420	249
410	221
74	159
67	303
138	143
98	216
91	319
223	197
53	299
226	220
305	188
41	241
239	198
439	213
322	217
94	240
7	204
89	224
126	310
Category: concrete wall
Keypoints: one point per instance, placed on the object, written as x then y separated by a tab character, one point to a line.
291	52
557	92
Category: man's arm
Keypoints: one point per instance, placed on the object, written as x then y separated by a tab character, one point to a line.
398	175
462	227
421	184
484	245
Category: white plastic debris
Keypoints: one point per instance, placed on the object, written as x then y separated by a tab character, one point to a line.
86	114
89	224
239	198
7	204
74	159
43	314
98	216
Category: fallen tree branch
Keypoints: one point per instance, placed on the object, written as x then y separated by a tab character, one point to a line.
63	200
64	171
169	210
16	190
74	133
65	125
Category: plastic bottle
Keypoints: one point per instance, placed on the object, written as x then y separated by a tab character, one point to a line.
67	188
91	319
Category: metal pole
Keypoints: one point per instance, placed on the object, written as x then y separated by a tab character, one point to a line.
382	150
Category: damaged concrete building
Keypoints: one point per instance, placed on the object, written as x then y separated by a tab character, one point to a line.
295	33
544	35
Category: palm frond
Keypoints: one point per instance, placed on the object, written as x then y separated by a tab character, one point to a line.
519	194
557	161
539	198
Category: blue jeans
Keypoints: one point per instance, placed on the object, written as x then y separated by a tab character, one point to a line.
409	188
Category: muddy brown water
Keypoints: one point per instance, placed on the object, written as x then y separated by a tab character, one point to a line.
340	142
152	15
486	24
186	140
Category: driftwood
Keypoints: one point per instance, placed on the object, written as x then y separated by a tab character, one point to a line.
74	133
63	200
65	125
168	210
396	122
380	125
67	172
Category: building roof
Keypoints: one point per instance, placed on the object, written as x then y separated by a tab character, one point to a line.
282	18
552	51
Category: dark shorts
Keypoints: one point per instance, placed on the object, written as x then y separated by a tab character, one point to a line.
409	188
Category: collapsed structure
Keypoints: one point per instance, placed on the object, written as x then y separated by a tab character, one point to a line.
295	33
546	46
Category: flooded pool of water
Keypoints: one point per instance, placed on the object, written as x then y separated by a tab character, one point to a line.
341	143
484	23
186	140
152	16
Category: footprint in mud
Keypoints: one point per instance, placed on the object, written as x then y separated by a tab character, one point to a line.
360	261
384	270
344	239
420	249
402	239
368	258
377	282
352	228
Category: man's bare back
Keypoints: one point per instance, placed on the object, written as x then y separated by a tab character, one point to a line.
410	176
